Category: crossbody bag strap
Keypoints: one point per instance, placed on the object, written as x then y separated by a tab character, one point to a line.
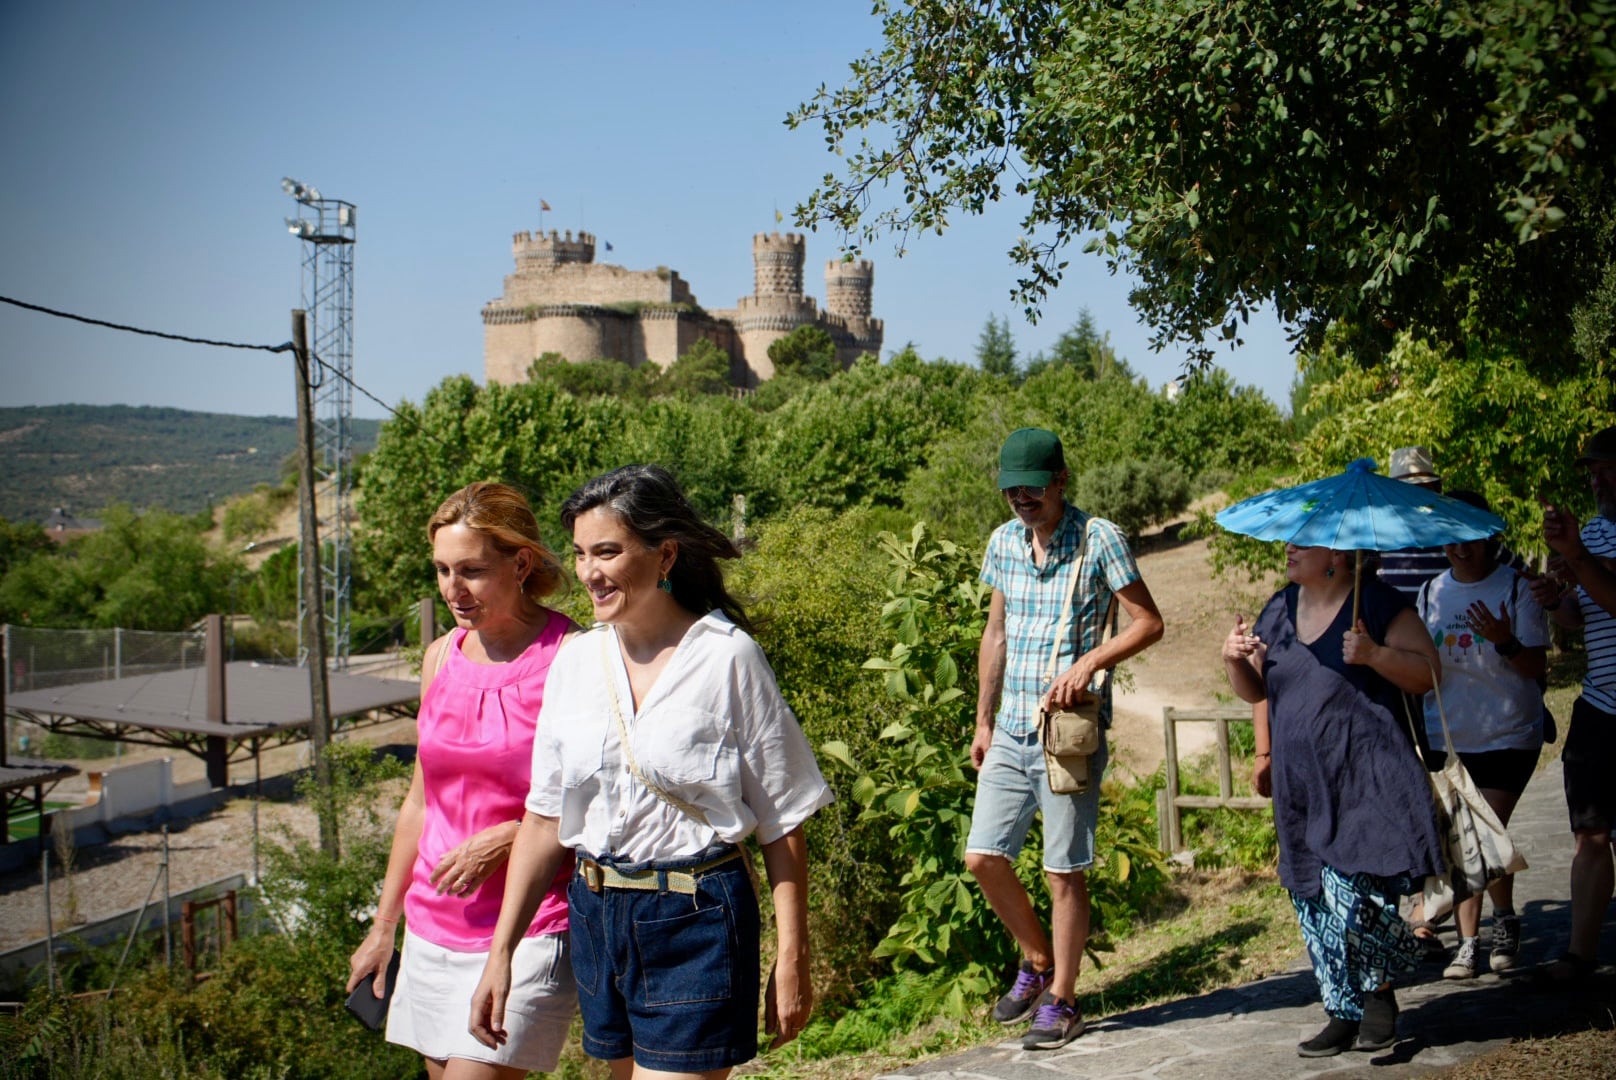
690	810
1107	625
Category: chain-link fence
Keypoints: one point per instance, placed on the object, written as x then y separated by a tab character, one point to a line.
38	658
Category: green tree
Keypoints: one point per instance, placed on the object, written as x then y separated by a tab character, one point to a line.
853	439
703	369
595	378
20	541
1395	166
150	571
1493	424
996	349
807	352
1084	348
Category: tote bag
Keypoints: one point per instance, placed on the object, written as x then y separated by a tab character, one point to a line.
1475	845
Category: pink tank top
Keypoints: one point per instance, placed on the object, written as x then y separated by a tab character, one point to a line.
475	749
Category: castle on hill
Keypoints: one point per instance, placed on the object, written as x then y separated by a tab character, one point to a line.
560	300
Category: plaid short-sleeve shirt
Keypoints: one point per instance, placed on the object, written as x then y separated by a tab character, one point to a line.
1033	596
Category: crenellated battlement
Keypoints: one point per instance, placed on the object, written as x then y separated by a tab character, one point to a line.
538	250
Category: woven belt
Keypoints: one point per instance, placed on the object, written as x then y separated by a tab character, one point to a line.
598	876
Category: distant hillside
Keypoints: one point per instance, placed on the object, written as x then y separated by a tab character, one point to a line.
84	457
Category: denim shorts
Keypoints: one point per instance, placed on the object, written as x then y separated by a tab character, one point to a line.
666	978
1011	785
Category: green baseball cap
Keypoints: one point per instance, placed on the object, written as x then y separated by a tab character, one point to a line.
1031	457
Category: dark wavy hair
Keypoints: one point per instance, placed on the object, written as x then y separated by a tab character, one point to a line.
648	500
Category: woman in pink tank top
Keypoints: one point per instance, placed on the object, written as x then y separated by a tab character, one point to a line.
481	688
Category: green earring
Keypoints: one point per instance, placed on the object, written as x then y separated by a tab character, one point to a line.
665	585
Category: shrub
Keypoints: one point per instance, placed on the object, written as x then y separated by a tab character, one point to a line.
1132	493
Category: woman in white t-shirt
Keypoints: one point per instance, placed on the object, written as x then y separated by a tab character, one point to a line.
662	744
1493	639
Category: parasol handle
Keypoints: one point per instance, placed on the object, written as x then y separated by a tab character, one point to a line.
1357	580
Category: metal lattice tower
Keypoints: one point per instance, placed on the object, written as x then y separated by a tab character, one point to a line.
326	227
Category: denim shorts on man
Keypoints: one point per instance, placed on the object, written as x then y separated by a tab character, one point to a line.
1011	785
668	978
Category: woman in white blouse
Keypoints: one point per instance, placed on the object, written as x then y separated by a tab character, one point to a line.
664	917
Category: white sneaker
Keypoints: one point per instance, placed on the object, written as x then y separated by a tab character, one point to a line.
1463	964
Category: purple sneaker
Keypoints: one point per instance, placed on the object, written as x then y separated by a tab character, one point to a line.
1056	1024
1029	987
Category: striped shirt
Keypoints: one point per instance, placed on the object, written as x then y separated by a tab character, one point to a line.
1034	595
1599	625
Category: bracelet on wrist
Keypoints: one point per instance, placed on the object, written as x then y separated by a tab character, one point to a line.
1264	754
1509	647
380	918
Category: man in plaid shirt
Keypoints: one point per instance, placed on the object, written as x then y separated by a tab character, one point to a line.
1049	549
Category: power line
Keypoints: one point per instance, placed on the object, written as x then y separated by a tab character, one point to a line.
283	347
321	365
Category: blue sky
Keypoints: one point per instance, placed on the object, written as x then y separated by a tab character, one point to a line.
145	145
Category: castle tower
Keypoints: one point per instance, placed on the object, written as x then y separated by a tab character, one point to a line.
777	264
847	310
537	252
847	288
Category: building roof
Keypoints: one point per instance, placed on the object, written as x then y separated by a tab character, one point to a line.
260	699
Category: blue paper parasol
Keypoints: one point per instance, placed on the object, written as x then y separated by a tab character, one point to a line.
1359	510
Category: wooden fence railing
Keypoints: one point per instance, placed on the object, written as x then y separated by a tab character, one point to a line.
1170	802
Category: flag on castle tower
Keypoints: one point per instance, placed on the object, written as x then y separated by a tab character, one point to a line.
778	217
608	245
544	206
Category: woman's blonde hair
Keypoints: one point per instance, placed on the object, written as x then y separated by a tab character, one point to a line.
499	512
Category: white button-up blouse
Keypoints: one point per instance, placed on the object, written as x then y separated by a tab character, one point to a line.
713	731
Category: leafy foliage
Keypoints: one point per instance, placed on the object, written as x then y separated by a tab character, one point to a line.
1396	167
1134	494
702	369
996	349
150	571
1493	424
913	780
806	353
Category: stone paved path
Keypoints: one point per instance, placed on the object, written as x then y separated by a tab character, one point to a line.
1252	1030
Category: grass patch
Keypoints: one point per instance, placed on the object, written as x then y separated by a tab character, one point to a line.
24	824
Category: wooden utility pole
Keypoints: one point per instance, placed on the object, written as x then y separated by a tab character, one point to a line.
313	589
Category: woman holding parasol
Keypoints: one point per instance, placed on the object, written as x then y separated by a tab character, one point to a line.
1330	657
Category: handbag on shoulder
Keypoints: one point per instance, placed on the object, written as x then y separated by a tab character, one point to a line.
1070	737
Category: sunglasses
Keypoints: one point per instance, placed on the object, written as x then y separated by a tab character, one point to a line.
1028	491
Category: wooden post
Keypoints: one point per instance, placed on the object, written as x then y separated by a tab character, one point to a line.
188	935
218	747
1170	735
313	591
429	622
1225	777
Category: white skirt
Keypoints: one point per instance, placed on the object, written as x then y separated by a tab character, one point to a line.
432	1002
